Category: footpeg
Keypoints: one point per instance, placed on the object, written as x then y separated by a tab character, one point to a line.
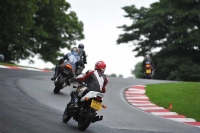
97	118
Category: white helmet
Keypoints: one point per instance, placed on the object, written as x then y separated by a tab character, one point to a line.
147	57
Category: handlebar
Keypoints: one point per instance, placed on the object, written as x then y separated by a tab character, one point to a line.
80	83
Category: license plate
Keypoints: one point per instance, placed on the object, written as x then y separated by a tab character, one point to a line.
148	71
66	71
95	105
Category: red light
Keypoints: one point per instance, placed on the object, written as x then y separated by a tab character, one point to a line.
98	98
86	99
104	106
147	65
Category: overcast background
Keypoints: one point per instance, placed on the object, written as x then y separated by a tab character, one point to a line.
101	19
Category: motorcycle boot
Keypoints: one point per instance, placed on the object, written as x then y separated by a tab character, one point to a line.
74	103
74	100
56	74
53	78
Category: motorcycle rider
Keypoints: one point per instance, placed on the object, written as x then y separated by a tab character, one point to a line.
147	59
72	58
96	80
82	54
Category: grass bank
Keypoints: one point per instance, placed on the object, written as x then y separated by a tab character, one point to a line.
12	64
184	96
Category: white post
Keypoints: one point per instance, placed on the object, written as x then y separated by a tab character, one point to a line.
1	57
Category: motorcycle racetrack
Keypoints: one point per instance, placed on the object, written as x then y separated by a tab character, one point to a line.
28	105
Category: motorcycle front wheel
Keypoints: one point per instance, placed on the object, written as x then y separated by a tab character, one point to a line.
66	116
56	90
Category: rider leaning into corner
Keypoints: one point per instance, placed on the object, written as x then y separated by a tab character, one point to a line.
96	80
72	58
147	59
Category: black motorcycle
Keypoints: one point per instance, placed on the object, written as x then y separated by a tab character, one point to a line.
63	78
65	75
88	105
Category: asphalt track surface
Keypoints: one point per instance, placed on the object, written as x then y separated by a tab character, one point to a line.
28	105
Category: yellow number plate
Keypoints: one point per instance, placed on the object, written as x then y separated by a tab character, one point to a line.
95	105
148	71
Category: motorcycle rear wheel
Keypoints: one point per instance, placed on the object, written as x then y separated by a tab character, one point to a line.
66	116
85	121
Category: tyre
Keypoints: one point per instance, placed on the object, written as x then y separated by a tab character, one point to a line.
85	121
56	90
66	116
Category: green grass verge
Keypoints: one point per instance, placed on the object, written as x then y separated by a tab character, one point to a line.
12	64
184	96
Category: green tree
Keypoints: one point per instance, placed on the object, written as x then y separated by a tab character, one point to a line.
57	29
138	72
37	27
113	75
120	76
15	23
173	27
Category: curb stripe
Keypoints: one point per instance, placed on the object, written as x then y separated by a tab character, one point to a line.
135	95
137	98
144	104
14	67
164	113
138	101
24	68
3	66
182	119
172	116
151	108
157	110
193	123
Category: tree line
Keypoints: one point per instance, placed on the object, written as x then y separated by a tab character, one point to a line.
44	27
41	27
172	26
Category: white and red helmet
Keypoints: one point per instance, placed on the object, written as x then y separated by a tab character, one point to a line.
100	65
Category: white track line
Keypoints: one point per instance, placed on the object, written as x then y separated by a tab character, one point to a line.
182	119
164	113
24	68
